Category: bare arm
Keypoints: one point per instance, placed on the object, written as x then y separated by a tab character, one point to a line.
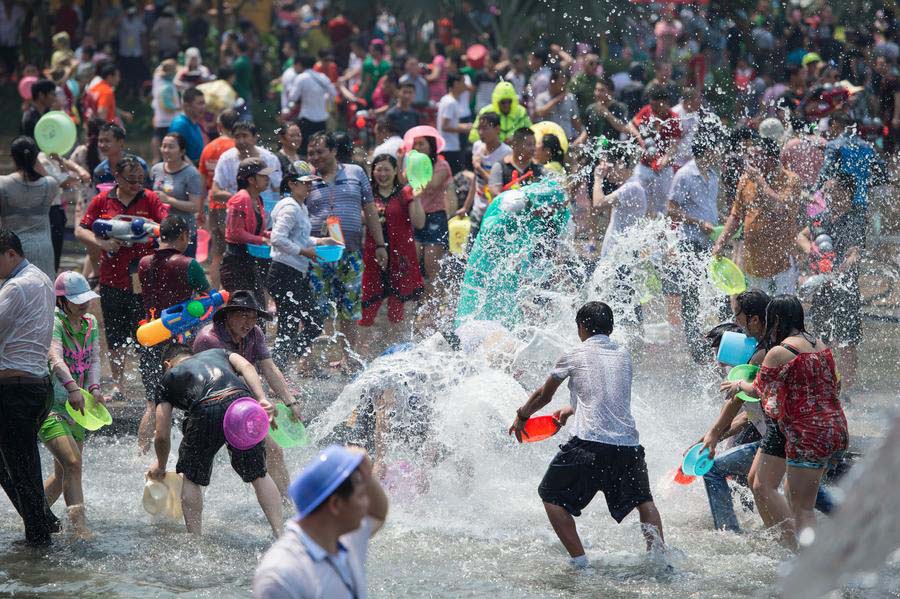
416	213
248	372
162	440
219	194
191	205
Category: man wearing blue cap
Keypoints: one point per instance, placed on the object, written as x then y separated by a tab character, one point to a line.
322	553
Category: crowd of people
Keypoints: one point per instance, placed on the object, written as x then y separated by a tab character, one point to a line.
634	128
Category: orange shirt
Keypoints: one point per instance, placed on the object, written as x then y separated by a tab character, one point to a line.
106	100
208	160
770	226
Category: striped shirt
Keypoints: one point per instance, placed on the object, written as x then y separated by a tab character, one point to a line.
344	198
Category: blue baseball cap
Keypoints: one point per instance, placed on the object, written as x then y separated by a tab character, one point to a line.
325	473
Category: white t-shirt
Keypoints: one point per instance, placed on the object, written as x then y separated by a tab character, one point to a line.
688	123
599	373
448	108
313	90
296	567
388	146
227	169
488	160
630	206
288	80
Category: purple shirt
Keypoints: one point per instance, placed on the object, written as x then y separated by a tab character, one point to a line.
252	348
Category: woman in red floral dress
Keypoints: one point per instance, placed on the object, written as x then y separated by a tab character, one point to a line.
798	387
400	211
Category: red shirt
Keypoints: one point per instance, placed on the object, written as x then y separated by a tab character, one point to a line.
331	72
208	160
663	133
116	269
244	222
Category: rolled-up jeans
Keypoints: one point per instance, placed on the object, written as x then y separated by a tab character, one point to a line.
736	462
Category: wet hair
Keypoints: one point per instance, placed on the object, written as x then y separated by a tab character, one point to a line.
551	144
623	153
408	83
24	152
742	133
179	139
172	350
190	95
62	303
343	147
771	148
660	92
325	136
93	151
128	161
247	126
490	118
228	118
116	131
753	302
172	227
386	124
10	241
42	87
432	148
596	318
306	61
714	335
106	69
385	158
521	133
452	78
783	315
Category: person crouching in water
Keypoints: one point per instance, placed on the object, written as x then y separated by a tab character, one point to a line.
604	453
204	386
798	387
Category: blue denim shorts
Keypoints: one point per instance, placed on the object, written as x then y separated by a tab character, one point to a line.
435	231
812	465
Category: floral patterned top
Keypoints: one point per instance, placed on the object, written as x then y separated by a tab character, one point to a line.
802	398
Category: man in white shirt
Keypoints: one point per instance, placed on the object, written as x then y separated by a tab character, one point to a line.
692	205
688	111
225	178
27	304
322	553
448	125
309	99
604	453
288	79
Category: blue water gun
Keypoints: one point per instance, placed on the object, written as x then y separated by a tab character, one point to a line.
127	229
181	318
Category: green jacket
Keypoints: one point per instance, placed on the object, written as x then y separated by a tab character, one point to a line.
516	119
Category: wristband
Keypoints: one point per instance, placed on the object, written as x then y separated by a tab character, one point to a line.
519	415
93	387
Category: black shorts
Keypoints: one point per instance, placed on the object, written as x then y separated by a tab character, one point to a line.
773	442
122	313
581	468
836	314
435	231
204	437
